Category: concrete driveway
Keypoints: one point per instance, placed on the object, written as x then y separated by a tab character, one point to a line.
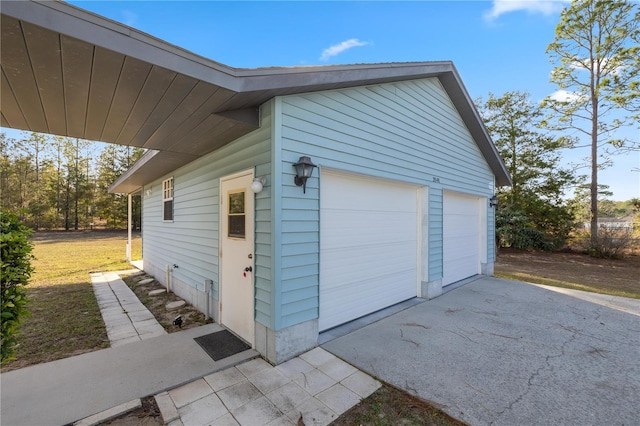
497	352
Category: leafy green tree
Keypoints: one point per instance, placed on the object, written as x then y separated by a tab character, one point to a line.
15	249
113	162
596	52
533	160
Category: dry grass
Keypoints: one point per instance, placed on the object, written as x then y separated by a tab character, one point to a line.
64	318
616	277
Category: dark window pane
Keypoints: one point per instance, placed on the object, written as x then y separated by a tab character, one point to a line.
168	210
236	226
236	203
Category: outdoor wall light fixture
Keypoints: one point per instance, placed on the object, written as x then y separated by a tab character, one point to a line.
493	201
258	183
304	169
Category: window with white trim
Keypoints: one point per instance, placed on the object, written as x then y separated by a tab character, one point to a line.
167	199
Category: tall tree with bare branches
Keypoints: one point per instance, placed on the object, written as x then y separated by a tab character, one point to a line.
596	52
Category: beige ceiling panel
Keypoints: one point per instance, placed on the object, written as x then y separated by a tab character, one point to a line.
154	89
105	73
16	65
202	136
223	135
175	95
132	78
181	119
44	48
240	129
11	111
77	61
203	113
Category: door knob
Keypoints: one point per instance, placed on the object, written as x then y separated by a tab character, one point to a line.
248	269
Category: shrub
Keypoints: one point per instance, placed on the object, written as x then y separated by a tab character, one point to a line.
15	249
515	229
612	242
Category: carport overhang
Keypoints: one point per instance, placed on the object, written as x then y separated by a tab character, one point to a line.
68	72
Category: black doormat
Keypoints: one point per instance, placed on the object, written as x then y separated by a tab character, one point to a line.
221	344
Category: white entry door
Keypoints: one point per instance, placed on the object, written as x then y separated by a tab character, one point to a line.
236	254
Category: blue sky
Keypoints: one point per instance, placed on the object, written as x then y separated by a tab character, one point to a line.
497	46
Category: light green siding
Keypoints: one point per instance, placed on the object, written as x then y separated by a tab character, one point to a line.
408	131
191	239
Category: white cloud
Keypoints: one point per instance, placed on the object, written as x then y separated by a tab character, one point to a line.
565	96
129	18
336	49
546	7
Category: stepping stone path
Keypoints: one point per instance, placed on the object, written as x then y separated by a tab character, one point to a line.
157	292
127	320
145	281
175	305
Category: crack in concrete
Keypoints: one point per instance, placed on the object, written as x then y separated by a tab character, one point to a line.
124	311
462	335
537	372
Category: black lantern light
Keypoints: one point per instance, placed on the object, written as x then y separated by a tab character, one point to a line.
493	201
304	169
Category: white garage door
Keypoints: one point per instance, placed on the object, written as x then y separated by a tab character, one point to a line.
461	229
368	246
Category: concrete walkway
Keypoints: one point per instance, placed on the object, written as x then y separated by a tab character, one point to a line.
189	387
125	317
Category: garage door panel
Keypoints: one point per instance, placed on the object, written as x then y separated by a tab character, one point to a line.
368	246
372	226
374	295
356	193
365	264
461	237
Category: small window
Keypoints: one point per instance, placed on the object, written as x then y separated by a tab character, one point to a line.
236	215
167	199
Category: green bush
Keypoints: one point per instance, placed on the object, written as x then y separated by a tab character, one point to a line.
515	229
15	249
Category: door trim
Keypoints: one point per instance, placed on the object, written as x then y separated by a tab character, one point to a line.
221	263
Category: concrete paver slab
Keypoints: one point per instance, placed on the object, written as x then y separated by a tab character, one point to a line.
338	398
268	396
288	397
258	412
203	411
267	380
190	392
167	408
337	369
238	395
313	413
315	382
361	383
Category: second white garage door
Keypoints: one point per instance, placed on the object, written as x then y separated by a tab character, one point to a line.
461	234
368	246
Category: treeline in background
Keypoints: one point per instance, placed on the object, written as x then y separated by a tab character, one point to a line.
54	182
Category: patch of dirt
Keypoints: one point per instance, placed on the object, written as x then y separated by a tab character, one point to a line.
191	317
610	276
147	415
391	406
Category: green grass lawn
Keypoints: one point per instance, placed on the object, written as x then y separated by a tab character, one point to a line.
64	316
